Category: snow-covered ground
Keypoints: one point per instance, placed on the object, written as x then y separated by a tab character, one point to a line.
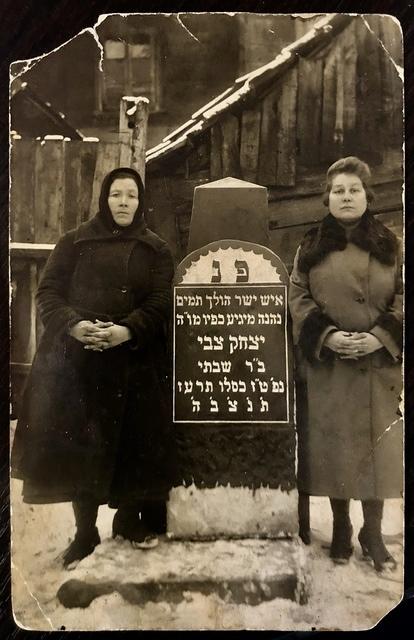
343	597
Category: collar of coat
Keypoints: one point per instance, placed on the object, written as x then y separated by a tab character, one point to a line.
95	230
370	235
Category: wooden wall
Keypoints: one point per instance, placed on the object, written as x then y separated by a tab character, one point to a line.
344	99
55	186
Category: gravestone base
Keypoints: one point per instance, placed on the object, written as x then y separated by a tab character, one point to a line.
244	572
230	512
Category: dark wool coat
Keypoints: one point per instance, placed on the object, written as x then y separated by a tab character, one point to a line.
350	430
96	424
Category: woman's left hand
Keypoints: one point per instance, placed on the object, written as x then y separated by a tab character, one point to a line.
116	334
366	343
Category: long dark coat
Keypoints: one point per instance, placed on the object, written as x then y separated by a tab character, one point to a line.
96	423
350	442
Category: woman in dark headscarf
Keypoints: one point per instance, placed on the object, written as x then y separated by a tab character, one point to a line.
94	423
345	300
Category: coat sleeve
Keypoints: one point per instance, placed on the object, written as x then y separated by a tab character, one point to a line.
149	318
388	326
51	297
310	324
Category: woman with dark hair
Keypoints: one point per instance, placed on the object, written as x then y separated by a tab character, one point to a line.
345	300
93	428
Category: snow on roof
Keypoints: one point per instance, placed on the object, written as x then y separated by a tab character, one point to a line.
245	86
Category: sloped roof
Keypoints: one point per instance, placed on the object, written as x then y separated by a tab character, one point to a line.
248	85
31	116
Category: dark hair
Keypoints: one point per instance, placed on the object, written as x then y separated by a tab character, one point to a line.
350	164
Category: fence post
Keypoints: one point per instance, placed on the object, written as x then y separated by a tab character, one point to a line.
133	125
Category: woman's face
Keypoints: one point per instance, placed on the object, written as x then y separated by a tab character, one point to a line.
347	198
123	200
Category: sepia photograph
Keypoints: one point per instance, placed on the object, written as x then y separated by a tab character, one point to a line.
206	317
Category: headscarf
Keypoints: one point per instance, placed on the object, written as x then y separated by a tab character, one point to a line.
104	213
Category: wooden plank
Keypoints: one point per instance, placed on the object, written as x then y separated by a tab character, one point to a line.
268	138
73	185
89	152
230	150
133	126
49	193
22	162
369	95
392	86
349	91
338	140
216	139
28	250
328	152
286	135
309	114
107	160
249	144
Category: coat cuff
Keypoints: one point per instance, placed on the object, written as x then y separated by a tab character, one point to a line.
392	340
315	328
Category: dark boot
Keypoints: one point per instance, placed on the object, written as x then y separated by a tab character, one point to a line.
370	536
154	514
304	518
87	536
130	524
341	546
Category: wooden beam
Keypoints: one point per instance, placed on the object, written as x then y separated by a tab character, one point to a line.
216	166
107	159
49	193
22	162
308	130
249	143
30	250
286	134
328	152
230	150
88	157
268	138
133	126
73	185
350	54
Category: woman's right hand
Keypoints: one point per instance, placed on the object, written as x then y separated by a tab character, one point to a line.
90	333
343	342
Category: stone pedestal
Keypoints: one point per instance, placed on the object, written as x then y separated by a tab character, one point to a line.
233	395
246	572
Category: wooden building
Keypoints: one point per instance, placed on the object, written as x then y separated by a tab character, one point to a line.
335	91
178	61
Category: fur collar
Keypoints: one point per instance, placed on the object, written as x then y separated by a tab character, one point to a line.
370	235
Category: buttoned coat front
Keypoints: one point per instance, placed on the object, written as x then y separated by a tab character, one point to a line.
350	442
96	424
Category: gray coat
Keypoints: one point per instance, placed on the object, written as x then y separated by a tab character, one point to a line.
350	442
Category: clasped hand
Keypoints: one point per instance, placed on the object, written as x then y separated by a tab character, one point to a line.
352	345
99	335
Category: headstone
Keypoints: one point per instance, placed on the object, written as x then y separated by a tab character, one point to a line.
229	208
233	393
230	337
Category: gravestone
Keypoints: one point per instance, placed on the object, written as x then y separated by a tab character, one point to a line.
233	397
